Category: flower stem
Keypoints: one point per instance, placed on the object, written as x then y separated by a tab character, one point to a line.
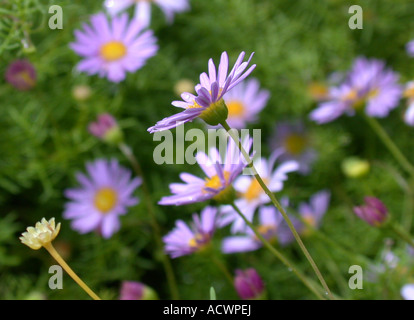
222	267
278	254
401	233
172	284
279	207
49	247
391	146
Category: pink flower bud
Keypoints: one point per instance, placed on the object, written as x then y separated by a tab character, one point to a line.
21	74
131	290
106	128
248	284
373	211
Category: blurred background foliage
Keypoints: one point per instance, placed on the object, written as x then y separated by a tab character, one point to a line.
44	141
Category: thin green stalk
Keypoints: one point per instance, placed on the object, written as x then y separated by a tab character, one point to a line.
401	233
49	247
169	272
279	207
223	268
391	146
278	254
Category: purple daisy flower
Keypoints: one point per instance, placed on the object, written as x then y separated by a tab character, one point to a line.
143	8
208	104
101	198
312	213
251	194
218	183
369	84
293	139
113	48
245	102
269	221
21	74
183	240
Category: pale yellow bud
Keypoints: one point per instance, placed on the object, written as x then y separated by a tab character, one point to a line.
43	233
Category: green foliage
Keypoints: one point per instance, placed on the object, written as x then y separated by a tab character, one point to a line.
44	141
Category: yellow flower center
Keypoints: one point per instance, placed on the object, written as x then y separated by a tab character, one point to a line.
268	231
318	90
194	106
196	242
295	144
254	190
26	77
105	199
113	51
215	182
409	92
309	220
236	109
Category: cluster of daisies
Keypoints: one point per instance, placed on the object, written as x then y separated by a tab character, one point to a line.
368	87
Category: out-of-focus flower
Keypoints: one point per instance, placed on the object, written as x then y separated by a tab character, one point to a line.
312	213
132	290
409	95
102	198
269	222
43	233
220	175
410	48
106	129
184	85
407	292
250	193
354	167
113	48
373	211
208	104
294	140
143	8
249	285
369	84
21	74
245	102
184	240
81	92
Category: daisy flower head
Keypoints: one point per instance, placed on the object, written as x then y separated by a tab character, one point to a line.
245	102
208	103
250	193
293	139
102	197
312	213
220	174
185	240
369	83
111	48
269	221
143	8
